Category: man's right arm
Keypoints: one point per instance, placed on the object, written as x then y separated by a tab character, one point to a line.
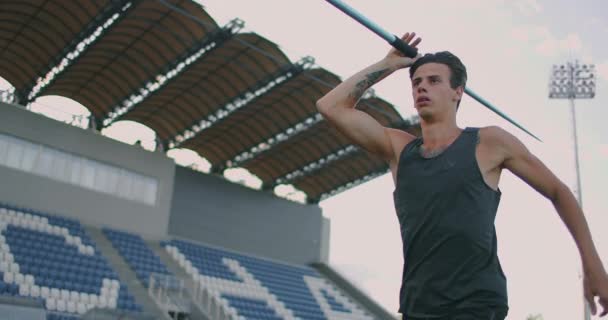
338	105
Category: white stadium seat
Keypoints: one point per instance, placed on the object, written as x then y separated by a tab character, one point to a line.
81	308
65	294
71	306
55	293
35	291
61	307
102	303
74	296
24	290
19	278
45	292
51	304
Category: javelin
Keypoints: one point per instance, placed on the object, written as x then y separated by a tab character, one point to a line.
411	52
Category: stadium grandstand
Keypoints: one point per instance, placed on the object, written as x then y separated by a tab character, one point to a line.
93	228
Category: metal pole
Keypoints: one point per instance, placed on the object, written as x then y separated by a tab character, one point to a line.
579	193
572	81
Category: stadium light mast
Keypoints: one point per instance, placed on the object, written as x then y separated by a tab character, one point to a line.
574	81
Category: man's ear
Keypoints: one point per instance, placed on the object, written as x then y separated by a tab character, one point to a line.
459	93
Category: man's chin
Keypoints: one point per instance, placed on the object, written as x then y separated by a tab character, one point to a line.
425	113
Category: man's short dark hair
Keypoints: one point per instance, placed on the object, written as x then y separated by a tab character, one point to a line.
458	72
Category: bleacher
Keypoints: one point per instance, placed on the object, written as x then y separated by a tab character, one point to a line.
137	254
246	285
52	258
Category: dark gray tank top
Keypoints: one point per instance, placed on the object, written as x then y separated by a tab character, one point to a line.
446	212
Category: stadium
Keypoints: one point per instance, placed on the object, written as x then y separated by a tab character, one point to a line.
92	228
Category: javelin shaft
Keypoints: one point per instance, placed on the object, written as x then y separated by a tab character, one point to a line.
411	52
498	112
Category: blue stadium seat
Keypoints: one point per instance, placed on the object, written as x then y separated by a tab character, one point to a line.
51	258
137	254
257	288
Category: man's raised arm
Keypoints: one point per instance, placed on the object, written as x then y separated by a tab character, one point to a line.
338	105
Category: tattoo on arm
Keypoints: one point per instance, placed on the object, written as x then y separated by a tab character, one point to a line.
367	82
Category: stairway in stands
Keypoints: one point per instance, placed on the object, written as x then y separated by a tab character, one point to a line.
174	268
126	275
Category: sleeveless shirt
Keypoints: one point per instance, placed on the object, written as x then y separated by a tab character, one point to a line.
446	213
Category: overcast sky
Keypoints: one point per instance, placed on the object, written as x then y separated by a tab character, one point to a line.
509	48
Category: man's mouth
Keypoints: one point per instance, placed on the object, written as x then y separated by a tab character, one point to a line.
423	100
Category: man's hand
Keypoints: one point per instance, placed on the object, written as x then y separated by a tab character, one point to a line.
595	284
397	59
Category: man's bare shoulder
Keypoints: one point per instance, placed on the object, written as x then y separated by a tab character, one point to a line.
400	136
499	141
494	135
399	139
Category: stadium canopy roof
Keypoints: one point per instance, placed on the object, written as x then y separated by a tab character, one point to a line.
216	81
234	98
36	35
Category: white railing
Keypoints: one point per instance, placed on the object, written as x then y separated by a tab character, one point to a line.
170	294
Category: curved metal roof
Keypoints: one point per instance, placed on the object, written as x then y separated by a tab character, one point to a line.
347	172
147	41
234	98
267	116
36	34
230	72
316	148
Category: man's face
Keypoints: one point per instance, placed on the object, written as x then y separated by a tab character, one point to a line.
432	91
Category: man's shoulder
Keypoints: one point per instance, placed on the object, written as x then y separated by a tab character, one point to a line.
399	138
497	140
493	134
400	134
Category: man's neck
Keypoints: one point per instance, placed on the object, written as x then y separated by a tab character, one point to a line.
438	134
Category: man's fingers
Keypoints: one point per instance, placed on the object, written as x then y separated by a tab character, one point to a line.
604	304
416	42
591	301
411	36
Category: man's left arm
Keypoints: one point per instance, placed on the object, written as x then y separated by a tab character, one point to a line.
521	162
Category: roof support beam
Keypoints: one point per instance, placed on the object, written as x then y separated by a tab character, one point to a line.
241	101
352	184
177	66
89	35
272	141
317	165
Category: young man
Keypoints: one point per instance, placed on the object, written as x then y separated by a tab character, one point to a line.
447	193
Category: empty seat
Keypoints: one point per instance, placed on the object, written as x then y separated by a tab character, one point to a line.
136	253
285	282
52	257
51	304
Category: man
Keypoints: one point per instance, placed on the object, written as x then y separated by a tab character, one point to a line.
447	193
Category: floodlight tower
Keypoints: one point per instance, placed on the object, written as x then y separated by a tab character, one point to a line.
574	81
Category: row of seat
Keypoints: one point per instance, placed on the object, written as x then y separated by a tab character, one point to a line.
290	286
72	280
252	308
52	258
137	254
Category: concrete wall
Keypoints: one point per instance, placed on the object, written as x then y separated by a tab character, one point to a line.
325	235
37	192
209	209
